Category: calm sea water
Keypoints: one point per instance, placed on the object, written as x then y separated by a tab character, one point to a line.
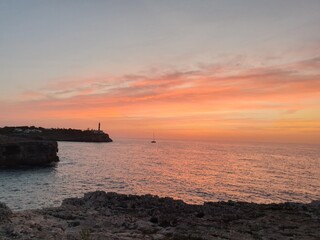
194	172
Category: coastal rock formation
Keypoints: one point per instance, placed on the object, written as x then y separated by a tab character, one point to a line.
26	152
100	215
56	134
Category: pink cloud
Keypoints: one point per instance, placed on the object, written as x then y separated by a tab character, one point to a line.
206	98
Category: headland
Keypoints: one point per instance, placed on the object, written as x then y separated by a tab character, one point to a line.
100	215
56	134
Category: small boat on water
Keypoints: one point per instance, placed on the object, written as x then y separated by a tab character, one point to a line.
153	139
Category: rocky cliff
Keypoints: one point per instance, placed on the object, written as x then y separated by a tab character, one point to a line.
26	152
100	215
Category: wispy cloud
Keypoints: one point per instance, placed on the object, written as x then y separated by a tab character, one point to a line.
207	99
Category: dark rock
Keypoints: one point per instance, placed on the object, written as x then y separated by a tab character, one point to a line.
315	203
65	216
164	223
24	152
73	224
154	220
200	215
73	201
5	213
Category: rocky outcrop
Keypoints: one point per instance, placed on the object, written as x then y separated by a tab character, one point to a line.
25	152
100	215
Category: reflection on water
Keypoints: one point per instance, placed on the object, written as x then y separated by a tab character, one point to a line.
194	172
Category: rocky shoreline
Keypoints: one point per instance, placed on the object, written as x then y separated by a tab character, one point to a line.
100	215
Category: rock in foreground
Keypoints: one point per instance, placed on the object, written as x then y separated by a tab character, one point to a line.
100	215
26	152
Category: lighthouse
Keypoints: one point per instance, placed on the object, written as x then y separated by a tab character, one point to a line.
99	127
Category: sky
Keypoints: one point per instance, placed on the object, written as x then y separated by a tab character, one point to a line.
193	69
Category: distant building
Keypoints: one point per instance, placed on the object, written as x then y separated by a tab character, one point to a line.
99	130
18	130
32	131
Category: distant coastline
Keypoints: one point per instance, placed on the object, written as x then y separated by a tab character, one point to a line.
56	134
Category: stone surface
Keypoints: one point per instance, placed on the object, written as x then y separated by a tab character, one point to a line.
5	213
100	215
26	152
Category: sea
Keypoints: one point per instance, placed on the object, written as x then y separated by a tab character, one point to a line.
195	172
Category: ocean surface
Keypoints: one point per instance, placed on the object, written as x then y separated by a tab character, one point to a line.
192	171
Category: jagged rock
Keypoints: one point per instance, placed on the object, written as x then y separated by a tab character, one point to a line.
5	212
100	215
25	152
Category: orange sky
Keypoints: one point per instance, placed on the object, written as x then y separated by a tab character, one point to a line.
211	103
205	70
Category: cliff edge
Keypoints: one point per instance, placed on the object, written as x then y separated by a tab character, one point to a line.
27	152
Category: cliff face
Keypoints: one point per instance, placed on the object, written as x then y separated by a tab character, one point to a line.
19	152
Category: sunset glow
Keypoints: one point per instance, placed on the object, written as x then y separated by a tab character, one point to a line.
226	92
